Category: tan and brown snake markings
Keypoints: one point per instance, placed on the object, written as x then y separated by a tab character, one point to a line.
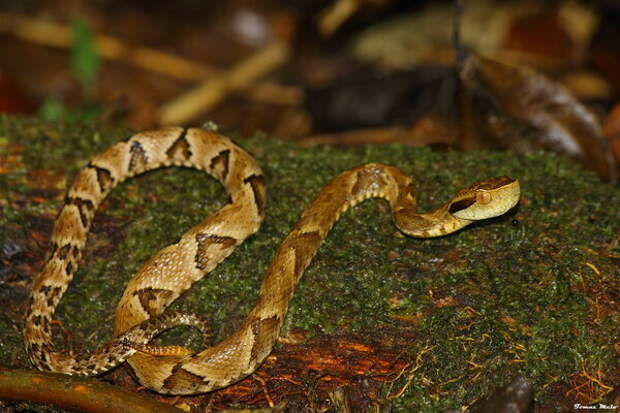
140	314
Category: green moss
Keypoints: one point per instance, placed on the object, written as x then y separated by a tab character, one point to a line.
523	283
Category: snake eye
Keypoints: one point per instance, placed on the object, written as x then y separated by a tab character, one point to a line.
483	197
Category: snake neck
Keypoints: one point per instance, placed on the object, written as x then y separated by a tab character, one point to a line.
375	180
431	224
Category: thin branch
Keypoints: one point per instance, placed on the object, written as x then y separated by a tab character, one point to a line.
46	33
208	94
75	393
59	35
332	17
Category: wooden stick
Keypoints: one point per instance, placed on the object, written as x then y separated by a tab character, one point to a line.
208	94
75	393
57	35
332	17
61	36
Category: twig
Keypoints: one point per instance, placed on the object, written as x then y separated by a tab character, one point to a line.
75	393
205	96
335	15
60	35
418	364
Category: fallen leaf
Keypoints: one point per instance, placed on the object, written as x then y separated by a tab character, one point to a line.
513	107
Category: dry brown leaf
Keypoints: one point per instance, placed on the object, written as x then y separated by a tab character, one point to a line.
512	107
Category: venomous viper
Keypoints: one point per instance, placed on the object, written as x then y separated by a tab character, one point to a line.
140	314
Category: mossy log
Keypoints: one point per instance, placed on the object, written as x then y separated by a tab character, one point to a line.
423	325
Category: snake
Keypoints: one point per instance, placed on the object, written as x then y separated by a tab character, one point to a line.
141	313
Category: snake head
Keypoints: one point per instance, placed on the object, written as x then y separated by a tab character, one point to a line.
486	199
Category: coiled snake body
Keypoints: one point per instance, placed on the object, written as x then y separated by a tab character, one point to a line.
140	314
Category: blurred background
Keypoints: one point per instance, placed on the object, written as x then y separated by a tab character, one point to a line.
341	72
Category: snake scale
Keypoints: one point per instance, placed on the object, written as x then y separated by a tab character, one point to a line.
140	315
